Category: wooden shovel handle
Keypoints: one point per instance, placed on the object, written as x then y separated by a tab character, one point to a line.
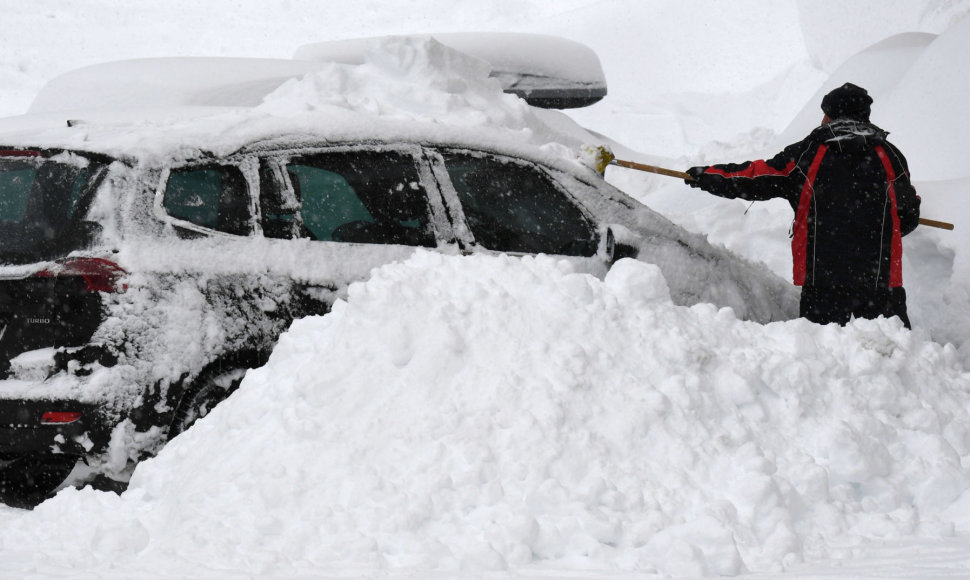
935	224
653	169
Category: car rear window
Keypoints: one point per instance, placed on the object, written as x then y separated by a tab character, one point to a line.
39	202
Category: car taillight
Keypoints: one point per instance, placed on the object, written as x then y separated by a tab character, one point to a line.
59	417
97	274
18	153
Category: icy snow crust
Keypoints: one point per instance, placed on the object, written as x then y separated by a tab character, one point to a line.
487	431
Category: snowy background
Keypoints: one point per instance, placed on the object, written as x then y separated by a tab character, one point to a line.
496	417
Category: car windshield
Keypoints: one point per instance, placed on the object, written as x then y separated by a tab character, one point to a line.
39	202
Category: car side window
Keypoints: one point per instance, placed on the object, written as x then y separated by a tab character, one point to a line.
213	197
514	207
367	197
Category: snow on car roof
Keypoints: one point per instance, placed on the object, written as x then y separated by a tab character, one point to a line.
169	82
405	88
547	71
553	70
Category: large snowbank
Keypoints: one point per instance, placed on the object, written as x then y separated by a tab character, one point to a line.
488	431
834	30
906	74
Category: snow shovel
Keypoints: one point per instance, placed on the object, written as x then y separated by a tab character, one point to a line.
682	175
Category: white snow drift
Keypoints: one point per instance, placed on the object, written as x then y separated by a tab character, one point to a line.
450	416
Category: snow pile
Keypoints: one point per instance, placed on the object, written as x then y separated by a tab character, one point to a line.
490	430
521	62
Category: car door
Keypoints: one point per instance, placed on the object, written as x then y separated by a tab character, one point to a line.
211	207
509	205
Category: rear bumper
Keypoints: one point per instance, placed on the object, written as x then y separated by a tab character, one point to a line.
39	427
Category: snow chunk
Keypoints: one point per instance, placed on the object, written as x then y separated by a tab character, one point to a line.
637	283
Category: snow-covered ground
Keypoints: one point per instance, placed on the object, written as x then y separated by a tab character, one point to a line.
486	417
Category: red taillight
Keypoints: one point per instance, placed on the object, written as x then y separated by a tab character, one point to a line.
59	417
18	153
98	274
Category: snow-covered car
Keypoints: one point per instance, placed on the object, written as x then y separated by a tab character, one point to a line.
152	254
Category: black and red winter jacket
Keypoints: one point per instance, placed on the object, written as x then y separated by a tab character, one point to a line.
852	198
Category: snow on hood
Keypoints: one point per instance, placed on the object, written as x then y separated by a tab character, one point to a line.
513	414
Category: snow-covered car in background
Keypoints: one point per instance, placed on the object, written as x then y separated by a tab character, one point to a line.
157	241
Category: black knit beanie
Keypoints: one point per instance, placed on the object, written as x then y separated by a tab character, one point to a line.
848	100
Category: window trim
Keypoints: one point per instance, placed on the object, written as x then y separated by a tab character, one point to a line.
282	184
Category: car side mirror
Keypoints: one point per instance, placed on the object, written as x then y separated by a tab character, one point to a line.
618	243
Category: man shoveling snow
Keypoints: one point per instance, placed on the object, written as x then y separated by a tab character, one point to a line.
853	203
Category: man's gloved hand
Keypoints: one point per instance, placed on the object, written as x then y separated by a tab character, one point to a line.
696	173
